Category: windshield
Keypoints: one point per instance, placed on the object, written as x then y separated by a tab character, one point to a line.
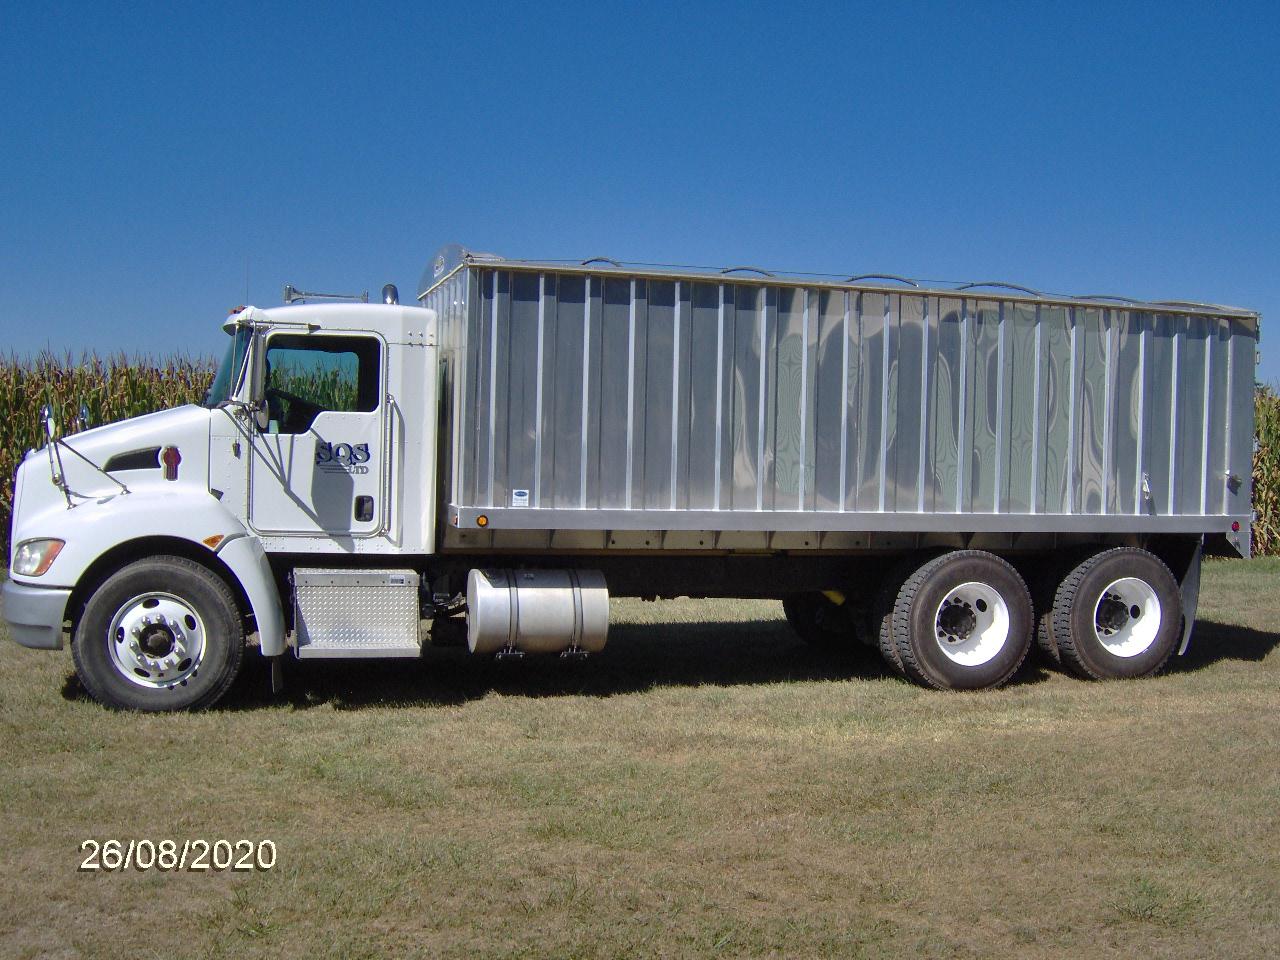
230	369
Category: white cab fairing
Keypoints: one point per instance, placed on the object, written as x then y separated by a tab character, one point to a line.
103	516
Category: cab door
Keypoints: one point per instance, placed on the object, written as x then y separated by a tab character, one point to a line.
319	467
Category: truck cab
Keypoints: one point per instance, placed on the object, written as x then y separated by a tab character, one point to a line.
300	448
308	439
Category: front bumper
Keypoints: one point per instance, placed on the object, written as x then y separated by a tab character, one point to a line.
35	614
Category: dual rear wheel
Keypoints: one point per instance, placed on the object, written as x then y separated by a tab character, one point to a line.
964	619
958	621
1116	614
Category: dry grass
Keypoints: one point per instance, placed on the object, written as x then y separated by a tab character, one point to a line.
702	788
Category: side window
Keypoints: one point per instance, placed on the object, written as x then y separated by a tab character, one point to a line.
307	375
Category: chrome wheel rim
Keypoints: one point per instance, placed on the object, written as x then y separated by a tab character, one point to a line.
1127	616
157	641
971	624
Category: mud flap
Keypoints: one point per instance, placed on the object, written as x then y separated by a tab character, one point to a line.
1190	596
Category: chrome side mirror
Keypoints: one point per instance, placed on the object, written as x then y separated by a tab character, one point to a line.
46	421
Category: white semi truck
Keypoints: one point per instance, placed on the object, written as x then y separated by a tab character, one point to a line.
949	474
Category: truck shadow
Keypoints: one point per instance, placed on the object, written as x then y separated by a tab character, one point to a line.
1213	642
639	657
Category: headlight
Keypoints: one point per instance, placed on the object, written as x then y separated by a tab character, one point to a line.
33	557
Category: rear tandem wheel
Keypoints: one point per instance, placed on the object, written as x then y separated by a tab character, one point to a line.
961	621
1117	614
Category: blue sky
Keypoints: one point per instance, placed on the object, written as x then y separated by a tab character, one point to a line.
151	152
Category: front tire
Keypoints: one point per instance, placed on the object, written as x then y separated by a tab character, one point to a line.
1117	615
161	634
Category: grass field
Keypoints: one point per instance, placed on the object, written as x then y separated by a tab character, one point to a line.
701	789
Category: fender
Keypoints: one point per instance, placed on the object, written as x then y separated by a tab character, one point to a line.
92	528
247	562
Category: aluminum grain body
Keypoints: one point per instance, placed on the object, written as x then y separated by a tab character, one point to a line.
605	398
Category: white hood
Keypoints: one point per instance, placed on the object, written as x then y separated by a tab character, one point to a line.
184	428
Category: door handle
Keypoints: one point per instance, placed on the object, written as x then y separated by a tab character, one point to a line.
364	509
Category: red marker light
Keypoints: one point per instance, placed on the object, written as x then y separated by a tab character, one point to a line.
170	457
1235	526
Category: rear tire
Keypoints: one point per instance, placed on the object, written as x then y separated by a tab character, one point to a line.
1117	615
819	622
882	613
1044	583
962	621
161	634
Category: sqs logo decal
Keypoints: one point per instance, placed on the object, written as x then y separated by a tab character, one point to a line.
342	457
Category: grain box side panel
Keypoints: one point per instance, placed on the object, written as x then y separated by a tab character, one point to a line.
1129	374
1240	434
654	412
517	464
593	403
1019	418
1164	375
1193	396
656	395
791	417
873	402
1219	421
831	385
1091	353
944	407
903	470
982	403
617	341
564	426
705	379
747	401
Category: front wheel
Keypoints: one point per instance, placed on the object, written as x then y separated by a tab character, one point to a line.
160	634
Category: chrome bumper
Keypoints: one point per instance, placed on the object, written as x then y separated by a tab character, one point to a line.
34	614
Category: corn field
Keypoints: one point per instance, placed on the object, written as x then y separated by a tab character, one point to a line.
120	387
1266	472
107	389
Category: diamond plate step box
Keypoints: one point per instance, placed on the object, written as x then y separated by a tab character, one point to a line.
356	613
